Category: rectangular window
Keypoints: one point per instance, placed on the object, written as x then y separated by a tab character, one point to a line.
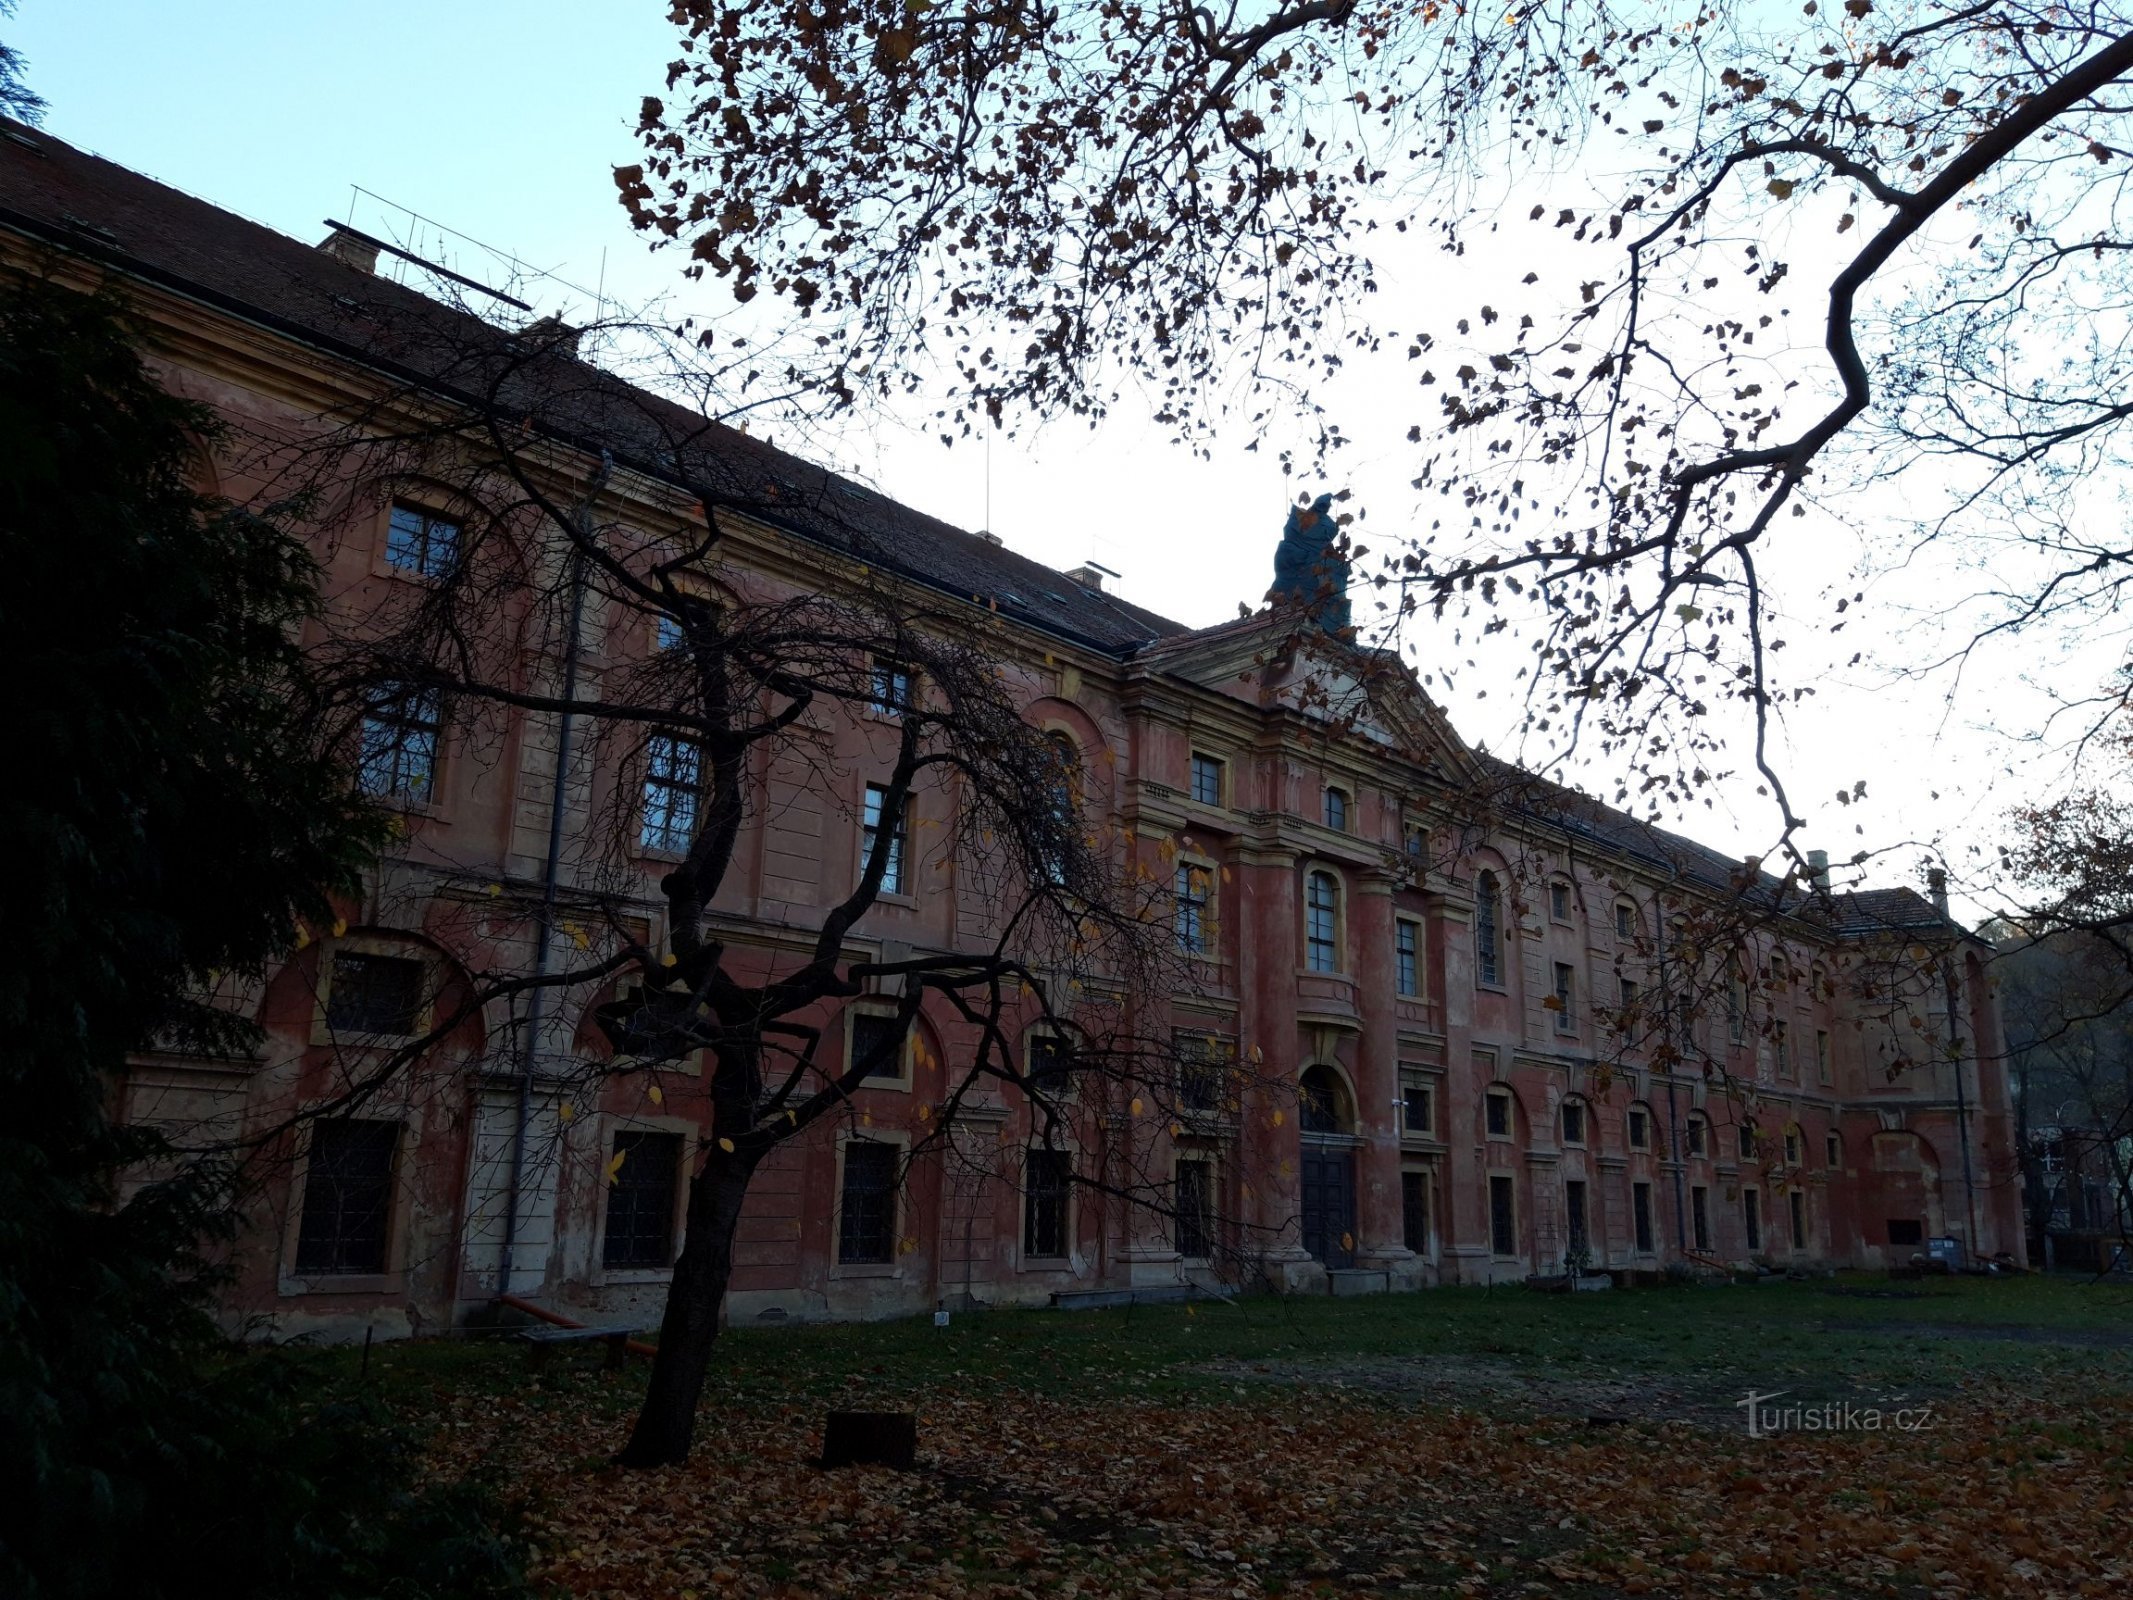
1824	1075
347	1215
1559	901
1799	1220
1321	923
1499	1111
1906	1232
1204	1061
1503	1216
1640	1213
889	690
1628	1005
673	792
398	758
1573	1122
1744	1141
422	542
871	825
1792	1147
1195	889
1407	955
375	994
1566	1020
1417	1113
666	634
1414	1211
1696	1137
1487	962
1416	843
1206	779
866	1224
1337	810
1051	1065
1834	1149
1736	1008
641	1192
1193	1199
1045	1186
878	1039
1751	1216
1574	1214
1781	1047
1640	1128
1625	920
1700	1216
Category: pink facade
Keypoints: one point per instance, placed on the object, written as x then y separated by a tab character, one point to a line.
1448	1085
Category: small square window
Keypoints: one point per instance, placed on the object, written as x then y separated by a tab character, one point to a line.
1559	900
1640	1128
374	994
641	1195
866	1222
1499	1115
347	1213
1206	779
1337	810
1573	1122
1407	956
422	542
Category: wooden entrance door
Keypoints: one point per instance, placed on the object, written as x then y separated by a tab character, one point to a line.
1329	1205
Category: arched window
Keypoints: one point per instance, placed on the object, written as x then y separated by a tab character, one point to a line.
1322	906
1337	810
1322	1102
1488	962
1065	782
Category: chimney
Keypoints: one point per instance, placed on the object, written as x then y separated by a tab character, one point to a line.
990	537
1818	870
1937	884
352	248
553	331
1091	575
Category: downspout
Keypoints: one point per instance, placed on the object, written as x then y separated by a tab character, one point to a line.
1937	880
1673	1107
544	928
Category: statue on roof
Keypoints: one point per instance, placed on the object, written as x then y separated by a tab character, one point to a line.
1309	570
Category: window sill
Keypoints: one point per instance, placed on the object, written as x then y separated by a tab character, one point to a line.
866	1269
340	1283
604	1276
1045	1264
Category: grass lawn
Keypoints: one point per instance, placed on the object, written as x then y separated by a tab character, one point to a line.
1456	1442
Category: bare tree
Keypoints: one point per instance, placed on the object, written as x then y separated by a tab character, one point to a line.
1752	256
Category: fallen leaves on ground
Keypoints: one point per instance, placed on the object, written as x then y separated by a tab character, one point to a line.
1303	1491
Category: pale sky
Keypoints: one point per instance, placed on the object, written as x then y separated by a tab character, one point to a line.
503	121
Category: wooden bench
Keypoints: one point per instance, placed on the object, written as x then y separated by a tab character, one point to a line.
541	1342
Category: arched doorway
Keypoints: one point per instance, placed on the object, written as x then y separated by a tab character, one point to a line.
1326	1128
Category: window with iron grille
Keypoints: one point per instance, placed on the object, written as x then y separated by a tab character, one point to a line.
866	1222
1414	1211
347	1217
422	542
673	792
1566	1016
1640	1128
374	994
641	1199
1321	923
1206	779
1640	1215
879	814
1700	1216
1204	1062
1487	962
1503	1216
1337	810
1045	1186
1193	1199
1407	955
1051	1062
879	1039
398	755
1195	891
1574	1214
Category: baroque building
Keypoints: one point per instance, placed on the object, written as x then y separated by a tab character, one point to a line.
1497	1026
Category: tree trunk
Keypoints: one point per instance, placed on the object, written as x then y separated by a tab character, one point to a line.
667	1423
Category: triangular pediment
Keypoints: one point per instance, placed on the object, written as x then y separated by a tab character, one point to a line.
1273	663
